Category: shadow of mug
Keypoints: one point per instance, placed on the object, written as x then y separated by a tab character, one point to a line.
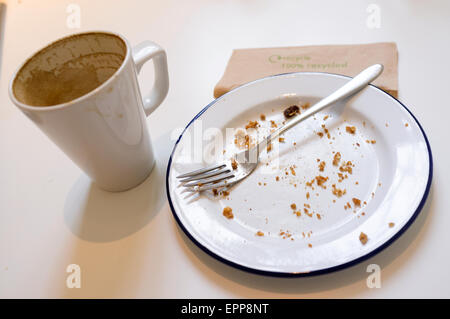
95	215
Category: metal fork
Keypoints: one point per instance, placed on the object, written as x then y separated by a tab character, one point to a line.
244	163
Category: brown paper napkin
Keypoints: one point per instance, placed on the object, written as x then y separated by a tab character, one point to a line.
246	65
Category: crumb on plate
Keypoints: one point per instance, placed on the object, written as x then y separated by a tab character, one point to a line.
252	124
321	180
291	111
356	201
350	129
322	166
363	238
336	158
228	212
338	192
234	164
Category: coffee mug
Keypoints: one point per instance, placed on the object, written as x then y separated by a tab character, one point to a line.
82	91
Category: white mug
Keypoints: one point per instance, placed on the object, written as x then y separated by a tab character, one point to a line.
103	131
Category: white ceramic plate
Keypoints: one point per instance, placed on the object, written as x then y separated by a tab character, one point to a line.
391	177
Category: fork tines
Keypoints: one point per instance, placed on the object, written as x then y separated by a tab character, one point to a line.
210	177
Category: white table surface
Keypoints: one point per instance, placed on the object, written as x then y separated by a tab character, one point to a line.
128	244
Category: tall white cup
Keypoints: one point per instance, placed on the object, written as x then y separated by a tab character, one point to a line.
103	131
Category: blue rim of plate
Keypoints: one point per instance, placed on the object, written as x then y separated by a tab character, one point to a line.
348	264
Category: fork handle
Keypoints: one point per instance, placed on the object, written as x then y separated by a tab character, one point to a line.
353	86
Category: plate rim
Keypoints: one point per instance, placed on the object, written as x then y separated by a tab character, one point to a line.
284	274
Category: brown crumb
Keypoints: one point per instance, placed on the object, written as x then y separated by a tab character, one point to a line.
347	167
363	238
228	212
225	193
234	164
326	131
269	147
291	111
277	178
321	180
310	183
307	195
341	177
305	105
293	206
242	141
356	202
322	166
273	124
350	129
292	170
326	117
391	225
338	192
309	245
262	117
281	139
320	134
252	124
259	233
336	159
215	192
406	124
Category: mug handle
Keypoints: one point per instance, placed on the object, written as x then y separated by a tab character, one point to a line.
142	53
